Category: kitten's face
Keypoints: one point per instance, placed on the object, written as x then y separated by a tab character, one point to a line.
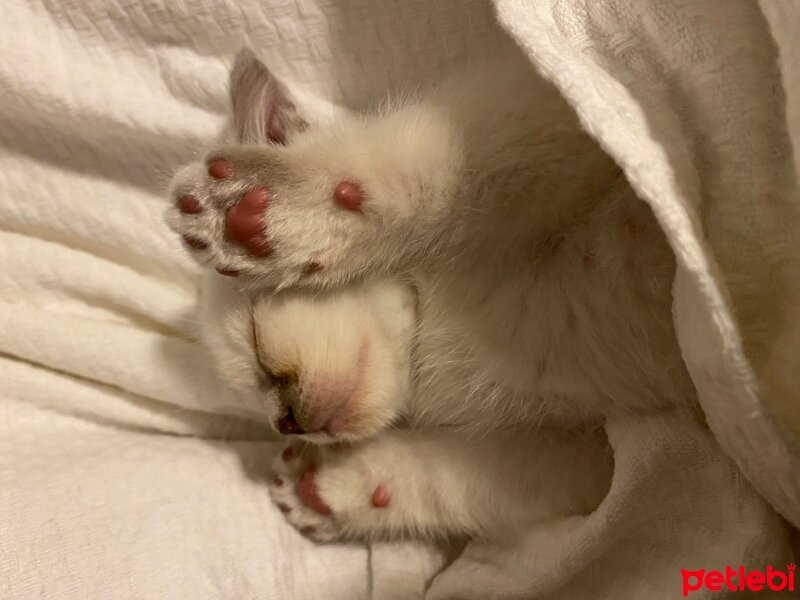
334	367
328	368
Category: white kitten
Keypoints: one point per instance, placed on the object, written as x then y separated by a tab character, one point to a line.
467	265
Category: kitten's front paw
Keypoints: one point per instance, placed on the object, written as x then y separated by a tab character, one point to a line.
255	211
330	494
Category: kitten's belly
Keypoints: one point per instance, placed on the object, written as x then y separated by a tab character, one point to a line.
565	343
468	373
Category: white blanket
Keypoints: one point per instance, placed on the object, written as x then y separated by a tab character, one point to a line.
115	481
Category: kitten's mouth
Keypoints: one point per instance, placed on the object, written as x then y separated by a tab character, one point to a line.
288	424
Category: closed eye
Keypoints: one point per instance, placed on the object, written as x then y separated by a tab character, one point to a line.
282	378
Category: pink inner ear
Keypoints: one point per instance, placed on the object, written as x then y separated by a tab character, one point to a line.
276	128
262	110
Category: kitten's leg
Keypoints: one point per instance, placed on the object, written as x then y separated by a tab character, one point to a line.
438	483
317	206
450	173
311	215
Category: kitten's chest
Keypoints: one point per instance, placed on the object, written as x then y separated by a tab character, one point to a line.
585	335
495	352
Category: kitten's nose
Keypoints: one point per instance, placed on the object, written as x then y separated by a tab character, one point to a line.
288	425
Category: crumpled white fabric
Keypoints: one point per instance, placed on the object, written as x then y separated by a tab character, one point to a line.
688	97
115	479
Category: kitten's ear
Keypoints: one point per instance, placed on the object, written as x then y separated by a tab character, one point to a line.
263	111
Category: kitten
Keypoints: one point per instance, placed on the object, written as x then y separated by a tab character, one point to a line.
437	302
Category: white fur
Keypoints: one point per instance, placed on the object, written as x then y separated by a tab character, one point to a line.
447	484
542	289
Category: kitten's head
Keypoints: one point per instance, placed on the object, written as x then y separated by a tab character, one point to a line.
327	367
338	363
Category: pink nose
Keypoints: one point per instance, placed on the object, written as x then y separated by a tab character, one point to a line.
288	425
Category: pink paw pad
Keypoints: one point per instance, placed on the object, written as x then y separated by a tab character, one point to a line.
189	205
309	494
194	242
381	497
348	195
227	272
220	168
244	222
312	267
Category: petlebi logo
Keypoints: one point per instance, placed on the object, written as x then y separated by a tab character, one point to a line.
739	580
